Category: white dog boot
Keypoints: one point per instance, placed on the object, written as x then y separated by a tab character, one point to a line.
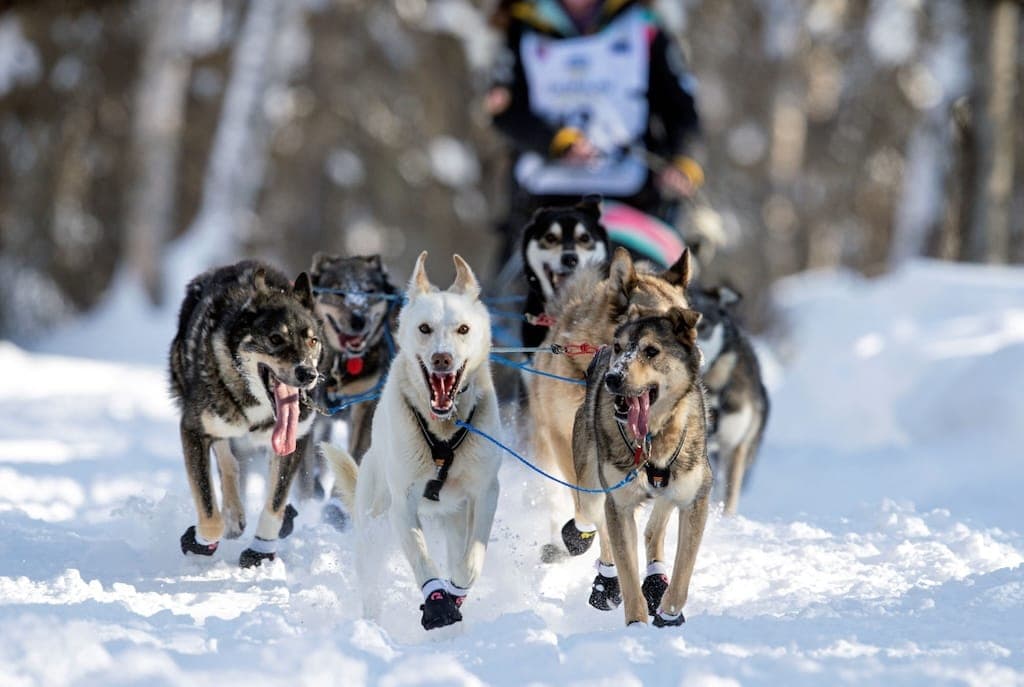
458	593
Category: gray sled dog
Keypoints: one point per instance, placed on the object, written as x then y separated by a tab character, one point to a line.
420	463
737	400
644	411
241	365
355	301
589	310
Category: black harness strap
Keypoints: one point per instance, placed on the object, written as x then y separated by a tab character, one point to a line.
443	453
656	477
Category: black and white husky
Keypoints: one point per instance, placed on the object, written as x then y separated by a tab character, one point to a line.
358	306
557	242
737	399
241	365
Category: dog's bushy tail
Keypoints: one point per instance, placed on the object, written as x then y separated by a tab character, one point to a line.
346	471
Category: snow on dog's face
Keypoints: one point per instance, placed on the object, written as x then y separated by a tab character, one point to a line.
446	334
559	240
654	362
351	300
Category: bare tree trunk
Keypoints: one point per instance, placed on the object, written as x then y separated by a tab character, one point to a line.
234	173
159	113
994	122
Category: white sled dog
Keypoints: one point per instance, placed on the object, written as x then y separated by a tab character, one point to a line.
420	463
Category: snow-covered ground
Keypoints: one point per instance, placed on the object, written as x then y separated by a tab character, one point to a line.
880	541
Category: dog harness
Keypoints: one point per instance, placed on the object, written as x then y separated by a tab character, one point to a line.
656	477
442	451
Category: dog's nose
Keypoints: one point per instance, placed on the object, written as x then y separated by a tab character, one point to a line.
304	374
357	321
441	362
570	260
613	380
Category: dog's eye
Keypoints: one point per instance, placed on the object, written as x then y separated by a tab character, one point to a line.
616	348
651	352
550	237
463	329
425	328
584	239
276	339
314	342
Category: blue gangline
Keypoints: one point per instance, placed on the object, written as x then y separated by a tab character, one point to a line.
626	480
502	360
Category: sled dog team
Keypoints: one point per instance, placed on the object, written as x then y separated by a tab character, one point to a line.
666	379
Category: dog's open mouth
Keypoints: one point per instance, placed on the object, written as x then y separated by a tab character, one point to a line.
634	411
352	343
556	277
444	387
286	411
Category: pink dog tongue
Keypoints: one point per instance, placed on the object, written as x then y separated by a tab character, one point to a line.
638	407
286	398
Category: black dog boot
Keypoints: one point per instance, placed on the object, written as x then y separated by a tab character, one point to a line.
439	607
288	521
577	541
662	619
654	585
605	594
334	515
189	544
260	550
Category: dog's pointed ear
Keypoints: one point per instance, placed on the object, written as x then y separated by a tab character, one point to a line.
591	205
259	279
633	312
465	281
303	290
684	324
679	272
419	283
319	260
621	281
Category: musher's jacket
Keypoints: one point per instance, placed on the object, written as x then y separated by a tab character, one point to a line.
624	86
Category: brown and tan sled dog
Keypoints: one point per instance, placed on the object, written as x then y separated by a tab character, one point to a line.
588	310
644	415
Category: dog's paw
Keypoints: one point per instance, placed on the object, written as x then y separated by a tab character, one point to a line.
234	525
605	594
251	558
190	545
335	516
654	587
577	542
662	619
550	553
439	610
288	522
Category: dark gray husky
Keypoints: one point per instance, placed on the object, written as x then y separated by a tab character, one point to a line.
242	363
358	306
